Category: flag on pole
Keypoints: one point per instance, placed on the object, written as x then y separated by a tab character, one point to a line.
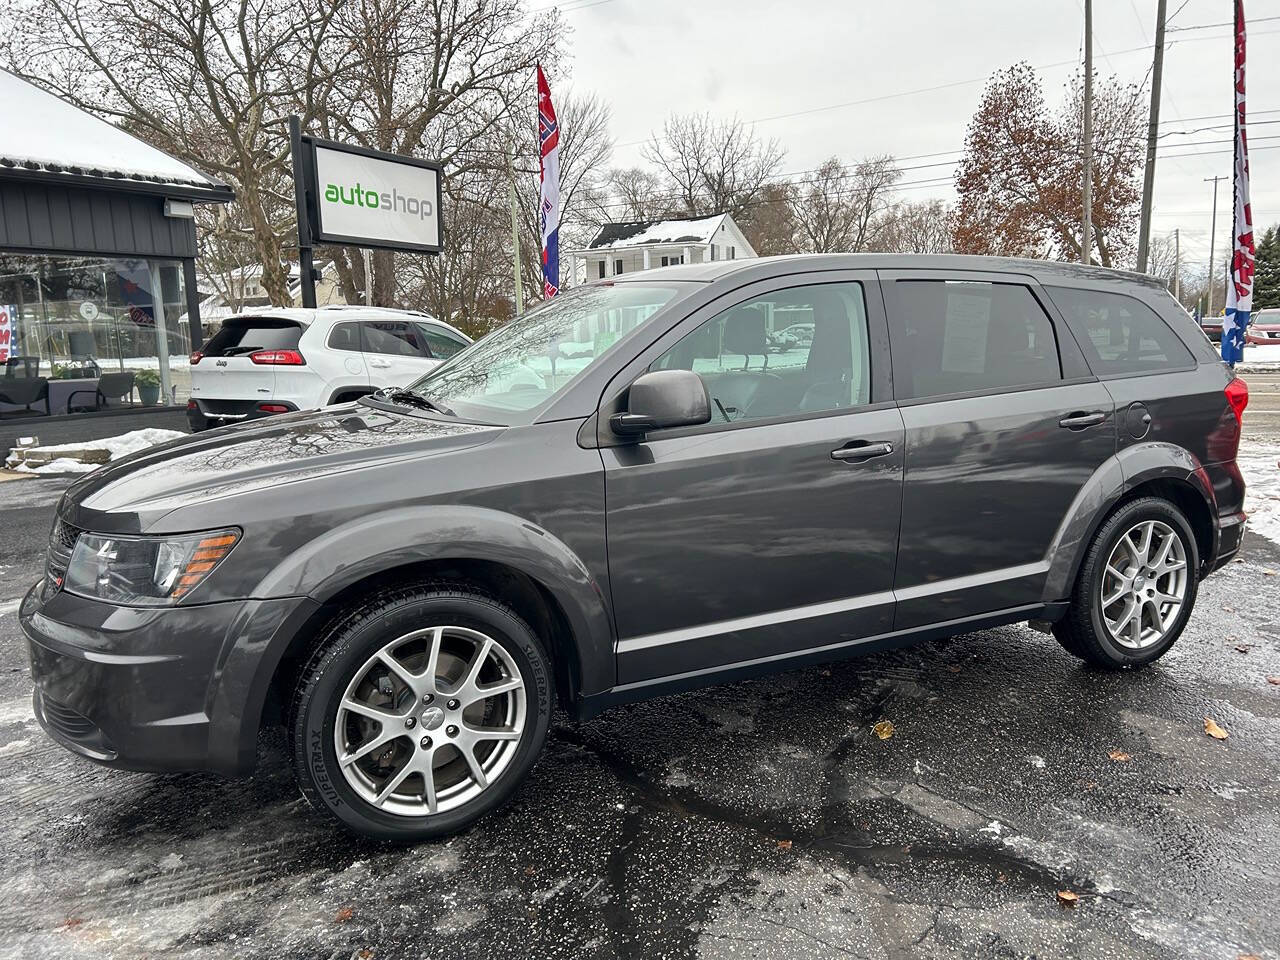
549	176
1240	281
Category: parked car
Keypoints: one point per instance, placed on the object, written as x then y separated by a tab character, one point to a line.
792	336
279	360
1264	327
411	583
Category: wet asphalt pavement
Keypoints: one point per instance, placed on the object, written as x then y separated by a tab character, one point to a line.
763	819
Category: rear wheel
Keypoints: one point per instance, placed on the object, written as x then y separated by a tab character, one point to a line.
420	712
1135	589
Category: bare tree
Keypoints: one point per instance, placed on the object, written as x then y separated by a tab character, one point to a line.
837	209
637	194
770	222
210	82
714	166
430	77
922	227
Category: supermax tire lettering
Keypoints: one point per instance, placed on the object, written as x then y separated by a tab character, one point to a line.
321	774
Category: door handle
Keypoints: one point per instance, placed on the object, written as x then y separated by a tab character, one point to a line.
857	451
379	363
1078	421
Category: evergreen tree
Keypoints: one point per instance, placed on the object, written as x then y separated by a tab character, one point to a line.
1266	270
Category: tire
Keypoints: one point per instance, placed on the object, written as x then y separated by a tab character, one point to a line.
425	728
1089	628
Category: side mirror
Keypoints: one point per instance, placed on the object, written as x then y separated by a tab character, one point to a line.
663	399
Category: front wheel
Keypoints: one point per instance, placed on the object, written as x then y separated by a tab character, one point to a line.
419	712
1135	589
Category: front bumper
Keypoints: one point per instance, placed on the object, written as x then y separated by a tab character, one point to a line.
159	689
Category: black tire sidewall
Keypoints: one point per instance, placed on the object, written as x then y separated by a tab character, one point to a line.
315	757
1113	530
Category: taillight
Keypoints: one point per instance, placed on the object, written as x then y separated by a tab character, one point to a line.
288	358
1237	392
273	408
196	357
191	405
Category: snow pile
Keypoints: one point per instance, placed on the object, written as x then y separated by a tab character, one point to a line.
117	447
667	231
1259	356
1260	464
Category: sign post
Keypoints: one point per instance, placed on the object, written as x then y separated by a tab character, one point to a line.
355	197
301	202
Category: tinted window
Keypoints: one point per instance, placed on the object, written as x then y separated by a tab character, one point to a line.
443	345
345	336
241	336
396	338
793	351
1119	334
951	336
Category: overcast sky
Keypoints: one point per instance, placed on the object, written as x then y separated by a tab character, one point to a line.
763	59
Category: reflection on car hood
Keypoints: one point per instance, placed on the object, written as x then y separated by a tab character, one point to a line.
261	453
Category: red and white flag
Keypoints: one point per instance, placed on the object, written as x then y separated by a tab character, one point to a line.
549	176
1240	283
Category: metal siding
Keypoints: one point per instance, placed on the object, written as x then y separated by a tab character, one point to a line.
83	222
38	217
60	228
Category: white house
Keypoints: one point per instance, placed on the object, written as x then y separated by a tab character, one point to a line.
644	244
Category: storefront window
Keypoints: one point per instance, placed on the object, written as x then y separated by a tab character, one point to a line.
71	318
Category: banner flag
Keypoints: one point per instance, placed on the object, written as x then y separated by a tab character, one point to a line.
549	177
1240	281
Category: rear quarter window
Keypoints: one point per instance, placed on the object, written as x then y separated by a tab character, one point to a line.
241	336
1120	334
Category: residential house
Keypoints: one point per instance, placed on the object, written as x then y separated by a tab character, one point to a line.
620	248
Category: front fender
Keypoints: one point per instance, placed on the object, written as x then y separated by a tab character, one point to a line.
370	545
1110	483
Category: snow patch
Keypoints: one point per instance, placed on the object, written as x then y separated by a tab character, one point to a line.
17	746
117	447
1260	464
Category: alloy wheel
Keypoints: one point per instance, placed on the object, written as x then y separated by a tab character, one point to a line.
1144	585
430	721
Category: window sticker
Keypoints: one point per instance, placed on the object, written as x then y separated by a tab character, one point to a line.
964	343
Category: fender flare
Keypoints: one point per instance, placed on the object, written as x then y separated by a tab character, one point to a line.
1118	476
369	545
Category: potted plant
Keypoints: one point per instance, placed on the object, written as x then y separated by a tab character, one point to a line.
148	384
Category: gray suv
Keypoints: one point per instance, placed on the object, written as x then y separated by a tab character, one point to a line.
633	490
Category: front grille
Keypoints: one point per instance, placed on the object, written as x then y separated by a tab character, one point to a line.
62	719
62	541
64	535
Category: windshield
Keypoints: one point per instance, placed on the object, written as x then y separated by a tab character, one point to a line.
519	367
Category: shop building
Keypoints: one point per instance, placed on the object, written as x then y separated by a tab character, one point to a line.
99	307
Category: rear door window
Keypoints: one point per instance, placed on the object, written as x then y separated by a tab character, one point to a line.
1120	334
442	345
241	336
964	336
394	338
345	336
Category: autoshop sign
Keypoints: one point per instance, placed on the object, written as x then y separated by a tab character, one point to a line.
370	199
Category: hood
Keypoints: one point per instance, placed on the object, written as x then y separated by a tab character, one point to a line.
128	494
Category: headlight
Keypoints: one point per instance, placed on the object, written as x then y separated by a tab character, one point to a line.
145	571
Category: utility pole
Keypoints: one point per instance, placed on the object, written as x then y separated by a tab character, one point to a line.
1177	266
515	231
1086	240
1213	239
1153	128
367	255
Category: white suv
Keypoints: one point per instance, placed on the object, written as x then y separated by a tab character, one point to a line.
280	359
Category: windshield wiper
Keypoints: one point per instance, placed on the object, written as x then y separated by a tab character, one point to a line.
408	398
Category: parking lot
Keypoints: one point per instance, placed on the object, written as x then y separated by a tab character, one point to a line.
763	819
